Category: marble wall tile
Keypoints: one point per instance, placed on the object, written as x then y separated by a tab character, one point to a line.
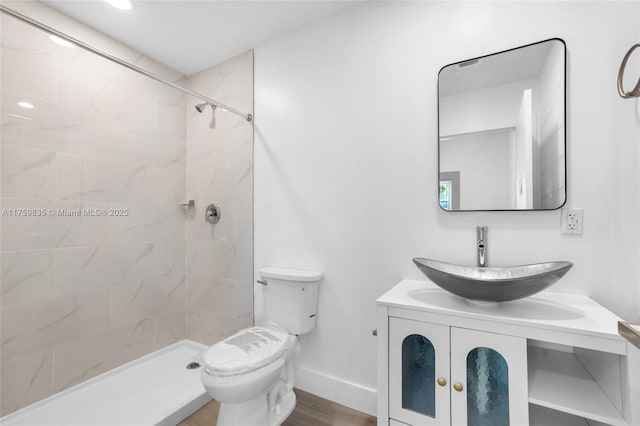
89	356
227	185
54	224
84	178
210	327
219	259
25	379
84	269
197	229
191	254
30	36
243	223
169	258
54	127
132	183
233	184
122	99
10	99
95	291
88	229
21	232
132	145
243	298
171	116
210	294
83	79
133	302
28	68
27	276
28	173
231	81
147	223
231	261
169	151
170	327
169	224
39	325
149	148
230	143
134	262
233	298
170	187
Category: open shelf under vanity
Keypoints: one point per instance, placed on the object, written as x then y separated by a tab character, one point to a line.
563	391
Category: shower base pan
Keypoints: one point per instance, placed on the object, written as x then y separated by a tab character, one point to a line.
156	389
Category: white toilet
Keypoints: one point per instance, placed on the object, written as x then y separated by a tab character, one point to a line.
251	374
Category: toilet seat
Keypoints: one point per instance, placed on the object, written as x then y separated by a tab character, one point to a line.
247	350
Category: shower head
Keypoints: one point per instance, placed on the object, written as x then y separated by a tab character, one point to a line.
201	107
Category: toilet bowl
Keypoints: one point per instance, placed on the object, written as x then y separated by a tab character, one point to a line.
252	373
246	373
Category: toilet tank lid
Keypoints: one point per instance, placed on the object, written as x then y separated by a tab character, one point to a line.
289	274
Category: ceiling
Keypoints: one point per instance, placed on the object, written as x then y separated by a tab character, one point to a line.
190	36
507	67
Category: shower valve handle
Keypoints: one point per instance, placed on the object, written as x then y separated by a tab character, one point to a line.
212	213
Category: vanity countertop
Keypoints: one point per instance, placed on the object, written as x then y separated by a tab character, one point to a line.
567	316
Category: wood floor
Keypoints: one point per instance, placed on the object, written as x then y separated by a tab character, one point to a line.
310	410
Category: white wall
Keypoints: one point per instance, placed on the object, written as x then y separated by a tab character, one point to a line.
345	164
624	142
486	162
466	112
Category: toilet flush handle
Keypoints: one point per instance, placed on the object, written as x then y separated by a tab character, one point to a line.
262	282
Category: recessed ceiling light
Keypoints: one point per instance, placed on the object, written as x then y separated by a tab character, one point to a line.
120	4
61	41
25	104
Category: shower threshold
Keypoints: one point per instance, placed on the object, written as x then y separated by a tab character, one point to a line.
157	389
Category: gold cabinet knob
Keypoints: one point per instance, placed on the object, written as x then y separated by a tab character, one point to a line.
458	386
442	381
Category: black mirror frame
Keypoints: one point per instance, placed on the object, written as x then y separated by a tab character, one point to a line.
565	127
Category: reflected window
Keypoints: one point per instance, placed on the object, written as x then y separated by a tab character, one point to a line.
445	194
450	190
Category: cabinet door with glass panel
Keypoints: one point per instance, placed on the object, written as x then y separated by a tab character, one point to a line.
418	372
489	379
441	375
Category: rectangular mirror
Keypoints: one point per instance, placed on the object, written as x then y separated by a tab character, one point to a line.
501	128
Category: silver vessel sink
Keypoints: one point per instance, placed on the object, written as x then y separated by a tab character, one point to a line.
493	284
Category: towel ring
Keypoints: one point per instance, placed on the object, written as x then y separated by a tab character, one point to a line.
635	93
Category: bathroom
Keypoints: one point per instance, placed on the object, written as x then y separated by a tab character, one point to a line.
336	172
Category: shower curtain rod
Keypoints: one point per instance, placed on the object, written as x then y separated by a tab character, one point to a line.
43	27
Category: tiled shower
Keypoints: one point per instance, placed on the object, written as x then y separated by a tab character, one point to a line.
101	263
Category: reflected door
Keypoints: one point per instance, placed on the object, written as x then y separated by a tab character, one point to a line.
489	379
418	372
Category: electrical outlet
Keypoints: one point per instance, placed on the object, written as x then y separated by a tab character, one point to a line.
572	221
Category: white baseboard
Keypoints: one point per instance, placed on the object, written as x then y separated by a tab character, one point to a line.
353	395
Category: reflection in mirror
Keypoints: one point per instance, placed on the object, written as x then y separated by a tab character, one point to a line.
502	130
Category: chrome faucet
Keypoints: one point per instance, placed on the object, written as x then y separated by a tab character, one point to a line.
482	245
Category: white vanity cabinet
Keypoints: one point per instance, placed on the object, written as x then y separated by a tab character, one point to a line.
443	375
548	360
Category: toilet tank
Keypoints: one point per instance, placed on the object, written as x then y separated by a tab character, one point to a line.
290	298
